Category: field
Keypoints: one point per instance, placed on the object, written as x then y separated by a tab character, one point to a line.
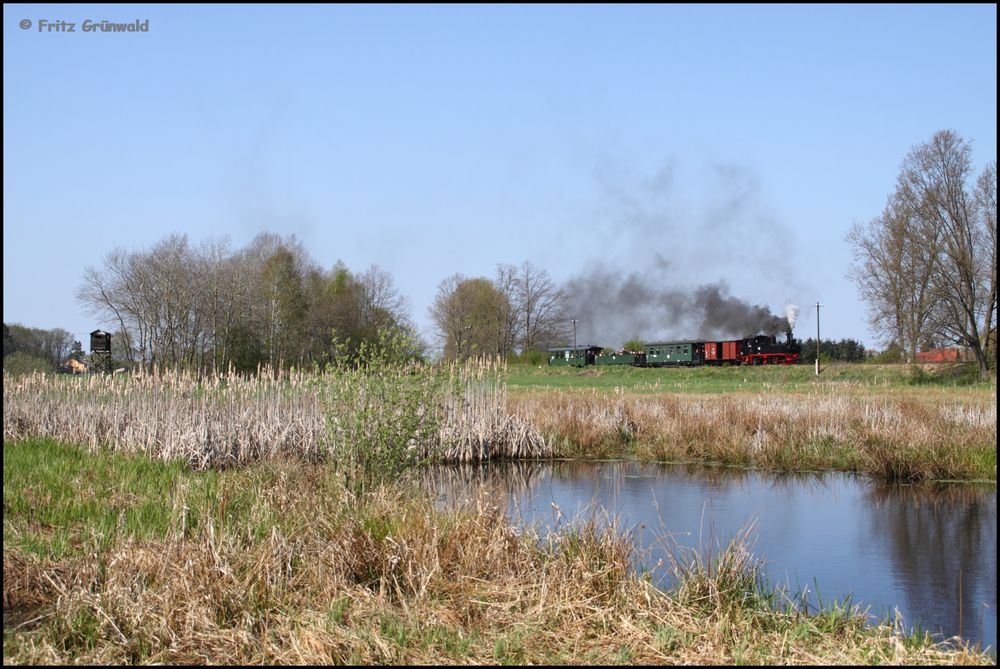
861	379
273	520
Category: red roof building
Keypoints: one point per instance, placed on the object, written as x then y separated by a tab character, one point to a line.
943	355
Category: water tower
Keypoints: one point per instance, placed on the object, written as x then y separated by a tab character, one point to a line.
100	350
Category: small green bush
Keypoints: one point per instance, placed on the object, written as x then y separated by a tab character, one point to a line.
19	363
380	412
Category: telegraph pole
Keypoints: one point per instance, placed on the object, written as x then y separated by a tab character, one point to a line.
574	337
818	305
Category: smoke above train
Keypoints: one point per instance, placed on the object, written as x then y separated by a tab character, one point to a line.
612	307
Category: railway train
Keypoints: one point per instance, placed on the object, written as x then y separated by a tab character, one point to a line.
752	350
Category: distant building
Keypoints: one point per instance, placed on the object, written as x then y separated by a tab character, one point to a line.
74	366
950	354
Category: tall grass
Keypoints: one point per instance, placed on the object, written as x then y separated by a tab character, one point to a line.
383	418
218	421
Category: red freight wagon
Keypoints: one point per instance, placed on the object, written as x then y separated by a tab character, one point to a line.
718	353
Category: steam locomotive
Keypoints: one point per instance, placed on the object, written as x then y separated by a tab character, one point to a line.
753	350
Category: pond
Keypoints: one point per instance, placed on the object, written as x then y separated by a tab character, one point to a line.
929	551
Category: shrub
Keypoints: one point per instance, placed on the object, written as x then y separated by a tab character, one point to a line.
18	364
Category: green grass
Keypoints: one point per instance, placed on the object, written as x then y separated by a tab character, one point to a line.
783	378
69	497
69	501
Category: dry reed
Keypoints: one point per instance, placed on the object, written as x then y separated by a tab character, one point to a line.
232	419
894	438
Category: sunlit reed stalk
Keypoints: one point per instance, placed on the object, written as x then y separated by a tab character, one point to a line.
231	419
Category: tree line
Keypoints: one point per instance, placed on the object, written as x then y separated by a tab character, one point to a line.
926	267
212	307
31	349
520	310
844	350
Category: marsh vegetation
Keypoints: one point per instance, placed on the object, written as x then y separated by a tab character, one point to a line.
119	559
166	518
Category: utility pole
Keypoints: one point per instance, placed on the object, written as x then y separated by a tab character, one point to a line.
818	305
574	337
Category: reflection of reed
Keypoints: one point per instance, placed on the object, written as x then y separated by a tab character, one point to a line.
464	482
719	478
932	495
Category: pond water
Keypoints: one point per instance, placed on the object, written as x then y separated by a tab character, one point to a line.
929	551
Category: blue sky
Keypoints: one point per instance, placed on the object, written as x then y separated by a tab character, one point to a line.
689	144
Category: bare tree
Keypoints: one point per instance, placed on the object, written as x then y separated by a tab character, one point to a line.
382	306
895	261
172	304
224	299
936	183
114	293
927	266
508	317
539	305
986	204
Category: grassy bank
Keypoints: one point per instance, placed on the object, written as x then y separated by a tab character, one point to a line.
112	558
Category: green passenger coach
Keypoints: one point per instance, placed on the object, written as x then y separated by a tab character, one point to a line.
573	356
621	358
660	354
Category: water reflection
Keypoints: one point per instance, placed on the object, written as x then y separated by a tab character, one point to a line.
463	483
929	551
935	538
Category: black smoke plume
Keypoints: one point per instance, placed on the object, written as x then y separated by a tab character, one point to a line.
611	308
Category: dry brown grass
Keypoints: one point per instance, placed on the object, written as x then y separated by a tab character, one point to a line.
391	580
213	422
